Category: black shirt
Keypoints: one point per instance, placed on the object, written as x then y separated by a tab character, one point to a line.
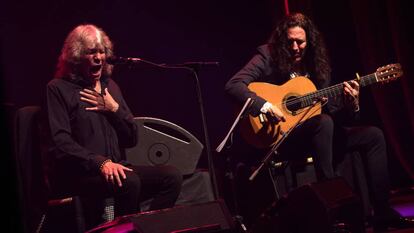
84	138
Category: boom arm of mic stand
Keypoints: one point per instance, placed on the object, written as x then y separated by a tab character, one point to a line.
274	148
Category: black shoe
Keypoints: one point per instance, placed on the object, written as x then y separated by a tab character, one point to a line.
399	222
340	227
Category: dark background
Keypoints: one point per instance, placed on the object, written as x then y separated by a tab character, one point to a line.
361	36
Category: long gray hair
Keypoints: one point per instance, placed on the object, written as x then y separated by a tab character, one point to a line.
75	47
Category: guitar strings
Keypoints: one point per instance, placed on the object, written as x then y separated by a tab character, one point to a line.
363	81
308	98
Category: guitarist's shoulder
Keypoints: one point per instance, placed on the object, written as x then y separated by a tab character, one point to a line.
264	49
264	55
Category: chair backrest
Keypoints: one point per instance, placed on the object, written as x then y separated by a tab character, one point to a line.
33	166
31	183
163	143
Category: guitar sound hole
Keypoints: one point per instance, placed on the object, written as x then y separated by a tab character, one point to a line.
293	104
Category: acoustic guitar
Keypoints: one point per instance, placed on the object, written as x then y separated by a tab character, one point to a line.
294	98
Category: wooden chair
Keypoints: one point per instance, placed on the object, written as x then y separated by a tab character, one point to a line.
36	197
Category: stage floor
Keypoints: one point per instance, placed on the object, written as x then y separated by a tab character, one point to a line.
403	202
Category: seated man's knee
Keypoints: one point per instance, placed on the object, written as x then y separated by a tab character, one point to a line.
375	134
132	183
173	177
324	122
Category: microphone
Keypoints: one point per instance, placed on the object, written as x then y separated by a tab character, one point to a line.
123	60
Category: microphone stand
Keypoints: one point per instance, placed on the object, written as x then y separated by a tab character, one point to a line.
229	173
273	150
211	167
193	67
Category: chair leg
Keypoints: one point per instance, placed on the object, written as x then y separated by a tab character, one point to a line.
273	178
40	225
49	221
79	216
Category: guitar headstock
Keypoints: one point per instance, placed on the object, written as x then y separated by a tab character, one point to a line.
389	72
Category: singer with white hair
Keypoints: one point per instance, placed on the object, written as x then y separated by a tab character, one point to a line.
90	125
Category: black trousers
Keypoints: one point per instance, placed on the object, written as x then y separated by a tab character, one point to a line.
161	183
314	137
369	141
329	145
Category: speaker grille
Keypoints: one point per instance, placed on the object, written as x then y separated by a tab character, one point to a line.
206	217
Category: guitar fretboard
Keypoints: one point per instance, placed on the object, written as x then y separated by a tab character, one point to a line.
332	91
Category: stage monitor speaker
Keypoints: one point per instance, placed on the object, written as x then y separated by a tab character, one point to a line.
163	143
195	189
316	207
207	217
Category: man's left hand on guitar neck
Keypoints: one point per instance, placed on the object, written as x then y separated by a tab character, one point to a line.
351	92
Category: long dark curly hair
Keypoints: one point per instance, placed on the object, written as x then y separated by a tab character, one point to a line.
75	47
316	59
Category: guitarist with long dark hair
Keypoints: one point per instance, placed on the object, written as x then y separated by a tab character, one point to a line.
295	68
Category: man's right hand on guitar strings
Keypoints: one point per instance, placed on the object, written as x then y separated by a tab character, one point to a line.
272	112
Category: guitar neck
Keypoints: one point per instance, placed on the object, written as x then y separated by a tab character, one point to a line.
332	91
